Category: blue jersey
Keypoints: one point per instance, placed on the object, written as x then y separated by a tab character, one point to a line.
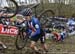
34	26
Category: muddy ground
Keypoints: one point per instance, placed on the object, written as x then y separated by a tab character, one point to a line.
66	47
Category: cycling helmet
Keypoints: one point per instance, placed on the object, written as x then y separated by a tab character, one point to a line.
26	12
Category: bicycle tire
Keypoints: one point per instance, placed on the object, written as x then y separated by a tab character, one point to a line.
23	39
45	12
16	10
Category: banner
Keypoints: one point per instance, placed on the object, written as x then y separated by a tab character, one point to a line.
10	30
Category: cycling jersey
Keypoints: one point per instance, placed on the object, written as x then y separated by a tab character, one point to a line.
34	26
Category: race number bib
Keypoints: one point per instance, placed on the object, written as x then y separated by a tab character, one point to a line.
36	26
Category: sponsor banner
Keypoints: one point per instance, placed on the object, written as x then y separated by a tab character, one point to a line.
10	30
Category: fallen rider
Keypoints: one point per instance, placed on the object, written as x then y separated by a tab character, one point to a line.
59	36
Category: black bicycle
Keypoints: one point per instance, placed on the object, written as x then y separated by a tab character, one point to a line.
8	8
21	38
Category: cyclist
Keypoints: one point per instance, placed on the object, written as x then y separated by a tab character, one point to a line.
60	36
34	30
57	36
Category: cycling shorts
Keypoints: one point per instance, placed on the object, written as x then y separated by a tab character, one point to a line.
40	37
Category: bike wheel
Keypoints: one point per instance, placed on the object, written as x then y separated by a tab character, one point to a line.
46	17
9	8
21	41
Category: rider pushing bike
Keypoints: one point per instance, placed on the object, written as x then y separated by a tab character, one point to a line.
34	30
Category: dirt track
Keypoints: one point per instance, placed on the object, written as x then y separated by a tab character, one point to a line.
67	47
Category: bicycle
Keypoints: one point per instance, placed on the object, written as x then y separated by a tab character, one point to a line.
45	16
21	38
9	10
